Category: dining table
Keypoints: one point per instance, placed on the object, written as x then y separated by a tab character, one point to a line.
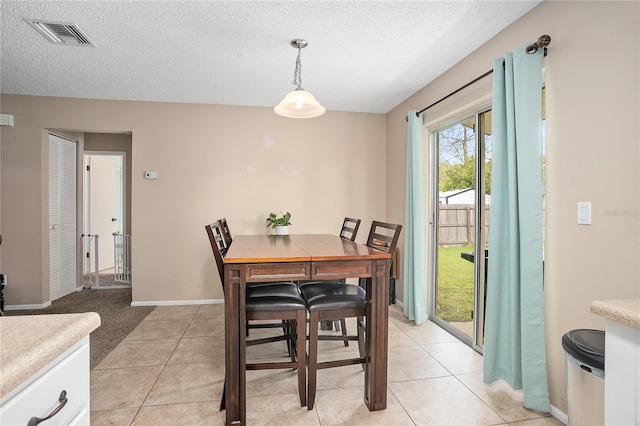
303	257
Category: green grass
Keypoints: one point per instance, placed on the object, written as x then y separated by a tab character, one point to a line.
455	284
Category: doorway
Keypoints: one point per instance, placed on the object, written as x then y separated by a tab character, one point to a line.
104	207
461	164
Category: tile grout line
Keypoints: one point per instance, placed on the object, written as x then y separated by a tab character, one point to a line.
391	390
163	367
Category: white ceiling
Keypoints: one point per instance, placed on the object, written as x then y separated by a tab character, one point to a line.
363	56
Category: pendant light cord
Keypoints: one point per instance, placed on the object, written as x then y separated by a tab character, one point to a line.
297	74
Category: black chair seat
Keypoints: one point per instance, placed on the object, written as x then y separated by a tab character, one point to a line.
330	295
280	289
274	304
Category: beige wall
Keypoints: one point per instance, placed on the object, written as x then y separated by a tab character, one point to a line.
212	161
593	134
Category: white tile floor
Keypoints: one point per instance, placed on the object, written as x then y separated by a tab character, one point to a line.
170	371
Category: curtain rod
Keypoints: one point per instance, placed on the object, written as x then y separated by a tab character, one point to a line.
543	41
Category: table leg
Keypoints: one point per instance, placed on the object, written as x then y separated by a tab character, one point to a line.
235	356
375	379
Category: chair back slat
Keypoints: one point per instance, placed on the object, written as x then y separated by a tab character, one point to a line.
350	228
226	233
218	246
384	236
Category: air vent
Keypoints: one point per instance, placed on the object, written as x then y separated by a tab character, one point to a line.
61	33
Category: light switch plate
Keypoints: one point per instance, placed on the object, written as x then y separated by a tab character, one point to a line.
151	175
584	212
6	120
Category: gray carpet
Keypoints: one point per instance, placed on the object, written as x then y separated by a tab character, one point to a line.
117	315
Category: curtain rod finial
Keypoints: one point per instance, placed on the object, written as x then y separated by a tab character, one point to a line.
543	41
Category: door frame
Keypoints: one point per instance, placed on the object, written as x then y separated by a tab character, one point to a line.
86	190
479	268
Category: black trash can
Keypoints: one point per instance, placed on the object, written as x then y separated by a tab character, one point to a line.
584	356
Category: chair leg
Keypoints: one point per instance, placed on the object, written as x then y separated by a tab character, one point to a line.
313	358
223	402
301	344
360	325
343	321
291	341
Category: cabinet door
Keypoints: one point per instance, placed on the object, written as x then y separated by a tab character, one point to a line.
69	373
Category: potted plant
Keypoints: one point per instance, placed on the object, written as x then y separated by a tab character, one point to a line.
279	223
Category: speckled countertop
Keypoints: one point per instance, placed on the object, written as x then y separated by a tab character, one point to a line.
28	343
626	311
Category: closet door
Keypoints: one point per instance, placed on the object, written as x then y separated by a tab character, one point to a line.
62	216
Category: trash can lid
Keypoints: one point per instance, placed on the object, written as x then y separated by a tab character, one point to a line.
587	346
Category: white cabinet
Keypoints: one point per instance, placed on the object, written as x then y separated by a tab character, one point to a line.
622	369
40	395
621	360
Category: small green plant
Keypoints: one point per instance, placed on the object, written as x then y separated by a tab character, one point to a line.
284	220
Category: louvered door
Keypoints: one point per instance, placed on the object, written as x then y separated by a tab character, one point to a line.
62	216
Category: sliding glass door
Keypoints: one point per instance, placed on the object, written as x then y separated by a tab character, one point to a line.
460	215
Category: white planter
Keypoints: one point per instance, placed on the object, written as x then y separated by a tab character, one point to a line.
282	230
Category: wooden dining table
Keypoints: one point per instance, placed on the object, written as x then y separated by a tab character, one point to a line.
303	257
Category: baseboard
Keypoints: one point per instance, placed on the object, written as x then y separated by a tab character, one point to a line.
559	415
107	287
26	307
399	303
178	302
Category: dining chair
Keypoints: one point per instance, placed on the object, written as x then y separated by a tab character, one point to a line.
253	290
350	228
349	231
277	301
331	300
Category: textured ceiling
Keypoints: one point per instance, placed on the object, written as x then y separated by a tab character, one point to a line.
363	56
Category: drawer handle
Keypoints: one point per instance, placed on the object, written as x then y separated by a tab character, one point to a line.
63	401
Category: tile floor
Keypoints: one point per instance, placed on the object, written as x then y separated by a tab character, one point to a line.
170	370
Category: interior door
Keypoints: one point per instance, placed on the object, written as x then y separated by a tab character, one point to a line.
104	204
62	216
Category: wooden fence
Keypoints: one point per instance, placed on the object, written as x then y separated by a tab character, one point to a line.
456	225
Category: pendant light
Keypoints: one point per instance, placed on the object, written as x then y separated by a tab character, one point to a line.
299	103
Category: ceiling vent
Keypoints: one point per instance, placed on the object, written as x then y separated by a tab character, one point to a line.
61	33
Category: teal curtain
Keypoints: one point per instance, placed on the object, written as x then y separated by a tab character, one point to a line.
514	344
414	308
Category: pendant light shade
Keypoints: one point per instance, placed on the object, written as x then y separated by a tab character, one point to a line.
299	103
